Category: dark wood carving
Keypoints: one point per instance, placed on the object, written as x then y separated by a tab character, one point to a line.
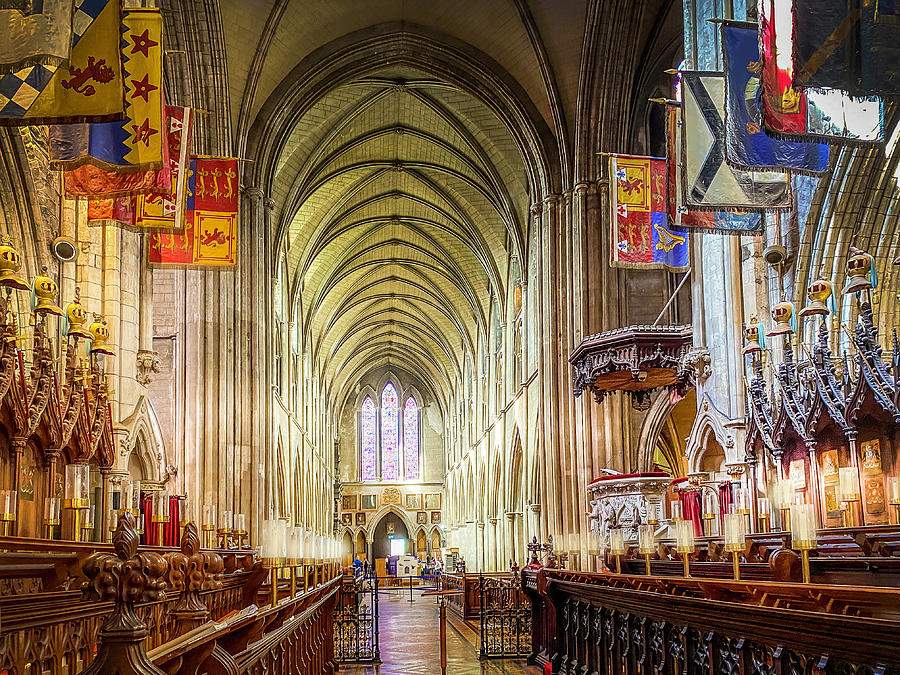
125	578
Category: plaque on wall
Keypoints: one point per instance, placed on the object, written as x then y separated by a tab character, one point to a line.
433	501
422	518
361	518
389	527
414	502
435	517
348	503
347	519
390	497
368	502
832	508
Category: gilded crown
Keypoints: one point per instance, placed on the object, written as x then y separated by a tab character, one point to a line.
100	336
783	316
859	271
77	318
10	263
754	337
819	293
45	290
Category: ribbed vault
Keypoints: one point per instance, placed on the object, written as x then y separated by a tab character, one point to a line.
400	197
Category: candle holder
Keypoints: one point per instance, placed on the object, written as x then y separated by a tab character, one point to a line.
87	523
240	529
52	511
226	527
762	508
77	493
684	543
273	549
208	524
294	554
709	512
803	534
8	504
849	481
894	497
735	539
676	511
617	546
160	513
185	513
646	544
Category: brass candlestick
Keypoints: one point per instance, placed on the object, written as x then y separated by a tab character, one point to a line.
272	564
764	522
224	535
647	563
686	559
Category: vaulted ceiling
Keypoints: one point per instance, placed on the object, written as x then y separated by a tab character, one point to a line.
400	191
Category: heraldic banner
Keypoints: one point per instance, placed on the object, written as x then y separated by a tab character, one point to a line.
641	237
86	89
161	204
210	217
136	143
747	146
35	33
682	219
709	183
825	113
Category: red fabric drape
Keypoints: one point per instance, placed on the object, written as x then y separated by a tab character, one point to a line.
692	505
173	527
146	518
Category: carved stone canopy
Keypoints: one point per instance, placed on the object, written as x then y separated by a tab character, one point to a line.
636	359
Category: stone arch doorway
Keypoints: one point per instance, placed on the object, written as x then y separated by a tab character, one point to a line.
391	528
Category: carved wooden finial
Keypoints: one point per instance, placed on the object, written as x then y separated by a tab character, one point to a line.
127	577
191	571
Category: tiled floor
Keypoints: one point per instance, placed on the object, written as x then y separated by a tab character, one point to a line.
410	643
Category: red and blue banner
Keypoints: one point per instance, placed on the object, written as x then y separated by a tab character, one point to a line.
641	237
747	146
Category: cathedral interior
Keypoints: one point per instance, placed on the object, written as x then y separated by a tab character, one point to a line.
496	336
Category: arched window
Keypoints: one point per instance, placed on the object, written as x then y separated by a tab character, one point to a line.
390	434
411	439
367	440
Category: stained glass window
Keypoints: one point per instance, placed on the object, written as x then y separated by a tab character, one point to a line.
411	439
367	440
390	434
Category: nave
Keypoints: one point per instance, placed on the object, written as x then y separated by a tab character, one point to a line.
582	313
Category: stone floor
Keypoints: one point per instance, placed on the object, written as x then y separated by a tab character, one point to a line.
410	643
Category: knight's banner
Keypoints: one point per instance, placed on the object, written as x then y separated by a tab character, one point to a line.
684	220
708	182
641	237
34	33
879	56
86	88
746	144
135	143
211	211
791	109
158	199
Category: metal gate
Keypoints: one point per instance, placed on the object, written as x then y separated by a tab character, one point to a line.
356	621
505	618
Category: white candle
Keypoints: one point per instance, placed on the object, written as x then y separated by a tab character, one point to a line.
616	541
803	526
226	521
209	516
849	479
894	490
684	536
735	536
646	543
676	510
240	522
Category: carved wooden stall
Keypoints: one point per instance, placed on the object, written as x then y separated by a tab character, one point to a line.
604	623
51	415
118	608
